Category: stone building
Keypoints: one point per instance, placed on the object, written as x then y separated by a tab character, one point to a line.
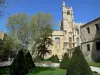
68	36
90	40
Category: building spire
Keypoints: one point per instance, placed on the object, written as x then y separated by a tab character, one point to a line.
63	3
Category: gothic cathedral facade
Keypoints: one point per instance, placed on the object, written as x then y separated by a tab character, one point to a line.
68	36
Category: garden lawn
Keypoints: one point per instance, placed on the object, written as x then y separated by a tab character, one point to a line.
47	71
94	64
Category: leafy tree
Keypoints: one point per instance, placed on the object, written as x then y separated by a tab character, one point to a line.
65	62
9	45
26	30
44	42
78	65
29	60
19	65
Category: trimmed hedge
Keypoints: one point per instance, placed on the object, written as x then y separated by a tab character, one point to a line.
78	64
30	60
65	62
19	65
54	59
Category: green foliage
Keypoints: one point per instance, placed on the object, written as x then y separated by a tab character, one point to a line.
47	71
65	62
29	60
31	30
78	64
19	65
54	59
38	59
94	64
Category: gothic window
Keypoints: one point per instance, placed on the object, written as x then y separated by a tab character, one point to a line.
70	42
57	40
68	12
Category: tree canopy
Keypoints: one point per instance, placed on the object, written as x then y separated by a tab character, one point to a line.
30	30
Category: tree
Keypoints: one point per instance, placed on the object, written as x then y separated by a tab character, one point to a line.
19	65
29	60
78	64
26	30
8	45
44	42
65	62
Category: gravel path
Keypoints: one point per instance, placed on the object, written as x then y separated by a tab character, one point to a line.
95	69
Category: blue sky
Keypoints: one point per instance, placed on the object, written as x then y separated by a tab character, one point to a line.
84	10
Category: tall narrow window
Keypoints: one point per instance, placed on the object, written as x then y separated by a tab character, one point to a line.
77	41
88	47
97	27
88	29
57	40
70	42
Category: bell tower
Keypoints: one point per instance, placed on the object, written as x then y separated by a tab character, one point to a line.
67	17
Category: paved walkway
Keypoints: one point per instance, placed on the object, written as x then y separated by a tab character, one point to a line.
95	69
5	63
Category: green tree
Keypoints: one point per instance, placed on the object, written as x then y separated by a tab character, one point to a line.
44	42
19	65
78	64
26	30
29	60
65	62
8	45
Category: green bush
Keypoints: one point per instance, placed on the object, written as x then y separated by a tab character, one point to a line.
30	60
19	65
38	59
65	62
78	64
54	59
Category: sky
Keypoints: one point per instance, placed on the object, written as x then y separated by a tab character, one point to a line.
83	10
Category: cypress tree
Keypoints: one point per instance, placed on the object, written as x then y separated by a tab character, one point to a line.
78	64
65	62
29	60
19	65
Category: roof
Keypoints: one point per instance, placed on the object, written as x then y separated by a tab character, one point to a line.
91	22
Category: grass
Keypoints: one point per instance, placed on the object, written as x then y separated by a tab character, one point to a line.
94	64
4	70
47	71
40	71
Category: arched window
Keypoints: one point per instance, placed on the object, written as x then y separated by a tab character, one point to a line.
57	39
68	12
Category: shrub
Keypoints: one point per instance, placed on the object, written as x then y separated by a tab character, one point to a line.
19	65
65	61
51	58
54	59
78	64
38	59
29	60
